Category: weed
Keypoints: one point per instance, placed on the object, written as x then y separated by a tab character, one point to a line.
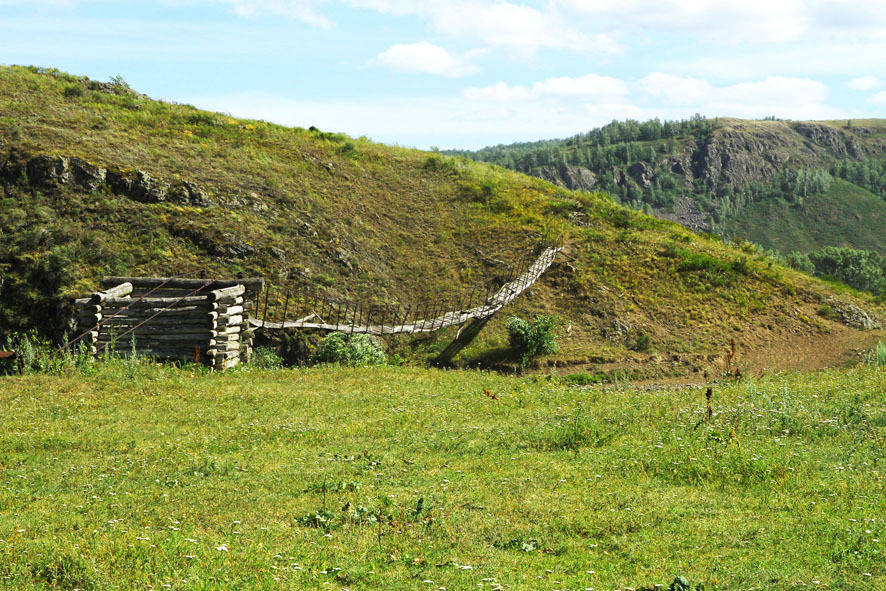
573	433
265	358
876	357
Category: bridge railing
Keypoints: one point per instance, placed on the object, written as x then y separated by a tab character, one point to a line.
278	308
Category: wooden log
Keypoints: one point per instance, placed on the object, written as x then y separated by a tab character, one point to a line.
153	309
156	327
164	345
230	301
118	291
229	320
156	338
155	302
234	310
227	292
159	330
216	354
162	318
251	283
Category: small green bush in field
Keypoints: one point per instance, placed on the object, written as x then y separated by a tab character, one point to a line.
533	340
353	350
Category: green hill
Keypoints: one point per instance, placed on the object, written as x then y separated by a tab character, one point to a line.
98	179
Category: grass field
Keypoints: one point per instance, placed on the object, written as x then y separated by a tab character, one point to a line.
143	477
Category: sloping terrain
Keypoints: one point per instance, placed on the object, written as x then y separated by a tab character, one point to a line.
755	179
98	179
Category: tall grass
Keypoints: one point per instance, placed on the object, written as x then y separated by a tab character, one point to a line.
876	357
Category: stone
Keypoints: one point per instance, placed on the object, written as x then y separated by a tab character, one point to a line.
48	171
277	253
232	247
574	178
642	173
836	141
188	193
86	175
853	316
147	189
119	182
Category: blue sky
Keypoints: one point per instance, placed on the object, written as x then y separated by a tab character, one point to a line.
459	74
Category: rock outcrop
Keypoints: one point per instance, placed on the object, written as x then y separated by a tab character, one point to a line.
53	172
574	178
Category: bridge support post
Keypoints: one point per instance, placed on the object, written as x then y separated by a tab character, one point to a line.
464	338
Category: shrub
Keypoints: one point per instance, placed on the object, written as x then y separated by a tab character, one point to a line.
529	341
353	350
859	269
643	343
265	358
73	90
827	312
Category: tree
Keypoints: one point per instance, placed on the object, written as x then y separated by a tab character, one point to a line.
860	269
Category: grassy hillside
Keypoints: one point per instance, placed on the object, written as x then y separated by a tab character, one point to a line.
414	479
98	179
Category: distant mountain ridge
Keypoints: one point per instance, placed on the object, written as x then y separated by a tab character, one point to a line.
726	175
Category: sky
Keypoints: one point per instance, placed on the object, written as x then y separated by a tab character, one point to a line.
467	74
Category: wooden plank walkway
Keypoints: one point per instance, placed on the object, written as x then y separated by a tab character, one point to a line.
501	298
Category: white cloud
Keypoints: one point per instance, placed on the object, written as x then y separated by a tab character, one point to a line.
865	83
498	23
782	20
499	92
796	98
879	98
303	10
424	57
589	86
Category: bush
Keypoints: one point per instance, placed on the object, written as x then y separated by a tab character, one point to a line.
860	269
73	90
529	341
266	358
353	350
643	344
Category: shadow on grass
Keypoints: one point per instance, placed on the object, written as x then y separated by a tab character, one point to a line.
501	359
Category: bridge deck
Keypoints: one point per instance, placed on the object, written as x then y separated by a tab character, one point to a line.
505	295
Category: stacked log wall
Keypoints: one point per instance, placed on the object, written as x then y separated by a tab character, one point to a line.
204	321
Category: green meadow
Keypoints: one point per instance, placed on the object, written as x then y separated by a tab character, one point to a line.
129	475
